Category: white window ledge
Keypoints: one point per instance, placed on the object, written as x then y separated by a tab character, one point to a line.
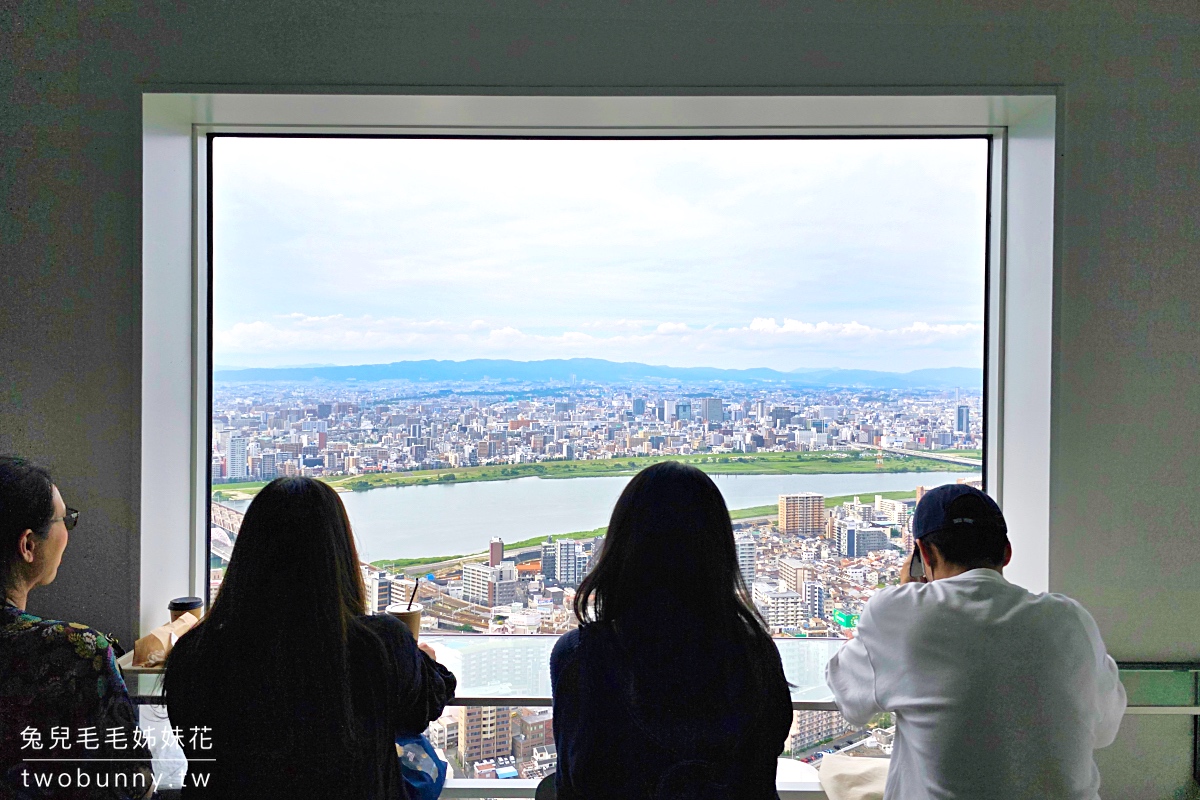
516	787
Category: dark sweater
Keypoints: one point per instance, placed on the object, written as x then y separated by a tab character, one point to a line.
264	748
61	678
636	724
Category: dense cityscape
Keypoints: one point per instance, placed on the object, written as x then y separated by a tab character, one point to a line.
809	562
290	431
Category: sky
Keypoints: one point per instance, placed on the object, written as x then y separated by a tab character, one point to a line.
787	254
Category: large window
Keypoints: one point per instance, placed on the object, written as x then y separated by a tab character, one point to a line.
184	255
479	340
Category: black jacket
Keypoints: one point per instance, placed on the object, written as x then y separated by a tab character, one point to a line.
633	722
260	747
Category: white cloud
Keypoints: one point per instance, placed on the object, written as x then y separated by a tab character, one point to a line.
781	253
671	327
763	341
823	329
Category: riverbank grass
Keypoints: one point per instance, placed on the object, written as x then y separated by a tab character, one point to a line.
819	463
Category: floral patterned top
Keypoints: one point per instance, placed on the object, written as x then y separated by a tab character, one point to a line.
62	697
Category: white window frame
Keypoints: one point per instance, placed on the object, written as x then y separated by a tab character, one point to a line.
175	412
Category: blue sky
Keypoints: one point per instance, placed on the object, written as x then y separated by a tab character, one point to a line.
787	254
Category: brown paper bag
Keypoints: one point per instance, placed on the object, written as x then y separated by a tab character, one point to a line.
152	649
853	778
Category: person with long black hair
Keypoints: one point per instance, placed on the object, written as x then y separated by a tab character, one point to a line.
671	688
286	688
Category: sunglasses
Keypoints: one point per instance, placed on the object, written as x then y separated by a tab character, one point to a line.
69	520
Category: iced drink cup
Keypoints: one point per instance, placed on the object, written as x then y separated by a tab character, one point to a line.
409	616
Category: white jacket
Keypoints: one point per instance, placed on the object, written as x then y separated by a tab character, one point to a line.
997	692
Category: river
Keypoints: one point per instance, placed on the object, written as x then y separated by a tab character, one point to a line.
454	518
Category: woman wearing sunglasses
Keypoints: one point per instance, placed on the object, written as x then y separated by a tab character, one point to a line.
61	695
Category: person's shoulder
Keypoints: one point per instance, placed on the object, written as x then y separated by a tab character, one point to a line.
86	643
569	642
386	627
1061	606
565	649
395	636
381	622
902	595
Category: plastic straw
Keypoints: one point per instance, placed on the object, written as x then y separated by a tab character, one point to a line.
413	596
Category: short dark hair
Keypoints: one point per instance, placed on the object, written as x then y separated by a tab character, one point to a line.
973	546
26	503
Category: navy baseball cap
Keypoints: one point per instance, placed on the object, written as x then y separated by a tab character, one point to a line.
955	505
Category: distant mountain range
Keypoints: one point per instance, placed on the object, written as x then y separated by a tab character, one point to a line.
601	371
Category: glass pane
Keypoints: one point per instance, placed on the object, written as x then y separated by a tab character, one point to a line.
804	663
519	666
1159	688
497	666
436	327
495	742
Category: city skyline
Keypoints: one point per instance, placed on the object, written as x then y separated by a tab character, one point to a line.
509	562
782	254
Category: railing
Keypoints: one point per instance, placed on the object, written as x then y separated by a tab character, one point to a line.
513	670
1165	687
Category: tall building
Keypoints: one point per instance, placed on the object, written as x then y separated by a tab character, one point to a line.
490	586
639	406
894	511
779	609
382	589
236	456
223	437
794	573
548	559
504	583
962	420
267	466
536	729
592	555
746	557
495	551
815	727
677	409
710	409
484	732
801	514
906	536
814	599
475	578
569	562
443	731
855	539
